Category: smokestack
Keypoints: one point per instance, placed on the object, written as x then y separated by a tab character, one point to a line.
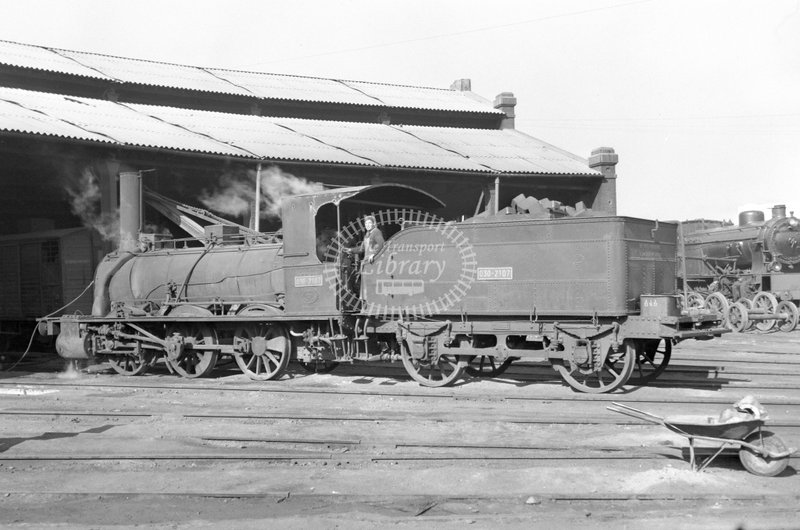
604	159
779	210
461	85
505	101
130	210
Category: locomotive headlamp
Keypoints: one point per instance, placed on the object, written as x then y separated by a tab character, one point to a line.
793	222
776	267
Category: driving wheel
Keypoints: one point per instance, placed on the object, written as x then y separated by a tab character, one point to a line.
189	361
263	350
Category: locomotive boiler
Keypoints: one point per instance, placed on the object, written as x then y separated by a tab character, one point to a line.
755	264
593	295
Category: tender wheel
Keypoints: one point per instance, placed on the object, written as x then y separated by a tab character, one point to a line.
695	301
614	373
737	317
759	464
718	303
485	366
790	310
652	358
442	371
765	303
190	362
132	364
263	350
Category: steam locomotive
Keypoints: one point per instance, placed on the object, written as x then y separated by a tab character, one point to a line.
749	272
592	294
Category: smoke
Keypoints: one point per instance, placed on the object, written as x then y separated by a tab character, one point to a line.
235	192
232	195
84	201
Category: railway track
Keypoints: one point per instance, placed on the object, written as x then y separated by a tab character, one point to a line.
413	511
364	446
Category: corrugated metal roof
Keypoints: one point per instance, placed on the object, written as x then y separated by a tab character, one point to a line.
506	150
254	84
382	144
260	137
153	73
425	98
40	58
289	87
99	120
16	116
277	139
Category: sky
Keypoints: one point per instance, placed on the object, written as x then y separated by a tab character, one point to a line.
699	98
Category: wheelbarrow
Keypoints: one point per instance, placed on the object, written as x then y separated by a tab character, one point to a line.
761	452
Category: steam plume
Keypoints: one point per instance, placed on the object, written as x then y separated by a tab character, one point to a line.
235	192
84	199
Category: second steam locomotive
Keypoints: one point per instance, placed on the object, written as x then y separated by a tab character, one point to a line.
748	272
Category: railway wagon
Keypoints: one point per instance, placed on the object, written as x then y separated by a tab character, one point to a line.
594	296
749	272
39	273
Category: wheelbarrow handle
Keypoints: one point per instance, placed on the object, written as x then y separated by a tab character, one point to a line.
635	413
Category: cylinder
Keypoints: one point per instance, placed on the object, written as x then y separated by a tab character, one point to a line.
130	210
778	211
751	217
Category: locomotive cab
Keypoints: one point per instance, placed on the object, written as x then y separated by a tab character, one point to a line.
320	278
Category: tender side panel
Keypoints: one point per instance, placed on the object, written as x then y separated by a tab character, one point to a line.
571	266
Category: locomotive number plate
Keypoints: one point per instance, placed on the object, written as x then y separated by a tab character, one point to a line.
495	273
308	281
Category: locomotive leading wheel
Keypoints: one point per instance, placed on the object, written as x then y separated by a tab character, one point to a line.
789	323
614	373
652	358
765	303
192	362
485	366
135	364
265	350
759	464
442	371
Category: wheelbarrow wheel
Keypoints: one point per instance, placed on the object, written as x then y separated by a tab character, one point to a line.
758	464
